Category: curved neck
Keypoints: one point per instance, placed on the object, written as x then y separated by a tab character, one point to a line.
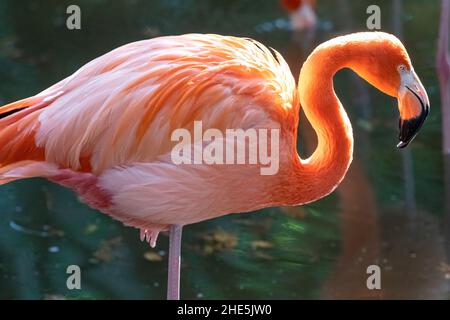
317	176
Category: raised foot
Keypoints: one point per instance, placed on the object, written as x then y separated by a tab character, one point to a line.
150	236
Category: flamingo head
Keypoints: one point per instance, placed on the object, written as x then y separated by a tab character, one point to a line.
388	68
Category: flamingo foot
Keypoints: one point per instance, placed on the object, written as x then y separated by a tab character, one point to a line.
173	280
150	236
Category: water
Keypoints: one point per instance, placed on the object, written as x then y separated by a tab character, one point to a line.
317	251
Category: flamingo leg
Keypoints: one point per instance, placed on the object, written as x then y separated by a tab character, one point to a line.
173	279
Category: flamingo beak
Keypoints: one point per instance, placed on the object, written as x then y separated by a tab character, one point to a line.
414	107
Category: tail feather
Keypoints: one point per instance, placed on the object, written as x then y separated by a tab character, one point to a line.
14	107
26	169
19	122
15	111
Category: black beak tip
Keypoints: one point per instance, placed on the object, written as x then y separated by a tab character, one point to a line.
402	144
410	127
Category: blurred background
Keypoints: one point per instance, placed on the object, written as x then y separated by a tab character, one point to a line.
390	210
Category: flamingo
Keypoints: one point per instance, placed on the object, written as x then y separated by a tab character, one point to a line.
301	12
105	131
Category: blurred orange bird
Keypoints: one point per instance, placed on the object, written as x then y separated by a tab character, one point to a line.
301	12
105	131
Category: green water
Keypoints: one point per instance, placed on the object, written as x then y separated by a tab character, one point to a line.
317	251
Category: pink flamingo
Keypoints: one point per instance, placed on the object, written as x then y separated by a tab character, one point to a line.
301	13
105	131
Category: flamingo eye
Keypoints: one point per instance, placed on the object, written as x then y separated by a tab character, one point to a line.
401	68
